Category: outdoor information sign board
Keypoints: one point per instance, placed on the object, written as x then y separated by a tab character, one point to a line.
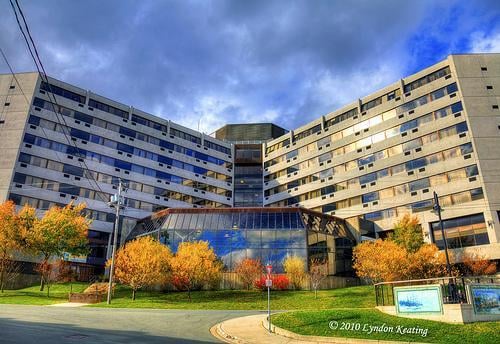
418	299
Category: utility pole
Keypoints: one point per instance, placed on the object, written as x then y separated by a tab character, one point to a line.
116	200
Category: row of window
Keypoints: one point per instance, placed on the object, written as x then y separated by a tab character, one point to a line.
379	100
427	79
108	108
368	178
444	201
388	133
108	179
351	113
419	184
69	189
120	164
369	159
45	205
148	123
62	92
79	116
83	135
461	232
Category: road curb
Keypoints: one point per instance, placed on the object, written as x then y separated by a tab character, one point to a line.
220	333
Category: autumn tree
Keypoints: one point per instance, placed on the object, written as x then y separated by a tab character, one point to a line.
58	271
10	238
249	270
380	260
408	233
143	262
60	230
295	270
478	265
426	262
194	266
318	270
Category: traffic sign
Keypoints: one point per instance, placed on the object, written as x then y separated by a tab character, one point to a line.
269	269
269	283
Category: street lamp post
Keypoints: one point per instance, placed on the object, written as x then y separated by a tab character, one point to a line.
438	210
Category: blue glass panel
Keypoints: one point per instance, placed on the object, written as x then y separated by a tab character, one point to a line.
83	117
34	120
265	220
452	88
461	127
166	144
286	220
28	138
456	107
256	221
125	148
127	131
272	220
253	239
298	239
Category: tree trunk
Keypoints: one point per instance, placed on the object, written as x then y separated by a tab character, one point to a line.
42	283
133	294
189	294
1	280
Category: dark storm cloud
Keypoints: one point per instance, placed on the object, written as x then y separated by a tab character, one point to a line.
215	62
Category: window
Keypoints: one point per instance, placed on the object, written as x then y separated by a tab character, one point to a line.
108	108
62	92
461	232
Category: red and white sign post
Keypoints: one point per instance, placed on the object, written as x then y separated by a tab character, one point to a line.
269	284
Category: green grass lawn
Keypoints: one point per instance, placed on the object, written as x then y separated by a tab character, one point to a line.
33	295
240	299
316	323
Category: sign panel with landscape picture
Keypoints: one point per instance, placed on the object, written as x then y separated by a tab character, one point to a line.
418	299
485	298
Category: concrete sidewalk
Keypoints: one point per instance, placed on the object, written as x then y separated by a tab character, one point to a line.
253	330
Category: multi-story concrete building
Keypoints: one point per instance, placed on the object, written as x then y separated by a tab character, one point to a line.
379	157
248	177
385	155
61	143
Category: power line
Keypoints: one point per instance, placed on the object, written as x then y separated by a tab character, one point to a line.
43	75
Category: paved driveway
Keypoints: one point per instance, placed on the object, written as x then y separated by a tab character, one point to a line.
44	325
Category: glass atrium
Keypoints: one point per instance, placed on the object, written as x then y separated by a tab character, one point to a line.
267	234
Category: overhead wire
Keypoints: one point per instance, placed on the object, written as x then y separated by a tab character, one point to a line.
43	75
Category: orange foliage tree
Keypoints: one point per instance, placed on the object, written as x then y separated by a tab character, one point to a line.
427	262
380	260
10	238
249	270
13	229
477	265
195	266
141	263
60	230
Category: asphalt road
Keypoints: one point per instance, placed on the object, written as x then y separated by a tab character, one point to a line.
44	325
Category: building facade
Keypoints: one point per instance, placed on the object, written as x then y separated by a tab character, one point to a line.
377	158
61	143
385	155
247	140
265	234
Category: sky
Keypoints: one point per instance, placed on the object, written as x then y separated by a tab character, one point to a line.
210	63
